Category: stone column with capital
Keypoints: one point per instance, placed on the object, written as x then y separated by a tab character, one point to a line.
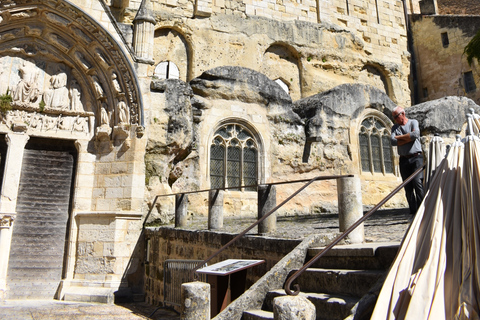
13	166
8	199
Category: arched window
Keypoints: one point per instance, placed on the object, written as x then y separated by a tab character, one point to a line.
233	158
166	70
375	149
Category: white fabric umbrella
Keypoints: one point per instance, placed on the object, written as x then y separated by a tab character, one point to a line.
436	153
436	274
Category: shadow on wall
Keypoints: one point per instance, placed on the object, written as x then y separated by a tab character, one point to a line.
133	276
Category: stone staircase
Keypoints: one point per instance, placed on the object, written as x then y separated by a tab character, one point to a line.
338	280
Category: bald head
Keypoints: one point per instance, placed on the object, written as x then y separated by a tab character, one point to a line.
398	115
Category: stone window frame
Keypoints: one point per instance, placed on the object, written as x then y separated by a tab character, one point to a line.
355	136
260	153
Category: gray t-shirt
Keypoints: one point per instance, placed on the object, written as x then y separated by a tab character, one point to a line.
413	146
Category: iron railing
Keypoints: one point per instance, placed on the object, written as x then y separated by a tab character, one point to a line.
294	276
309	181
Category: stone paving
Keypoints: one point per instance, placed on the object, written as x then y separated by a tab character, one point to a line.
60	310
383	226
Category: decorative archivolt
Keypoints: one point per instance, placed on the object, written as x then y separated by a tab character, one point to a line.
63	71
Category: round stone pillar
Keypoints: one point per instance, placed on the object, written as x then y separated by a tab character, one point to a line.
195	301
267	200
181	202
215	209
293	307
350	207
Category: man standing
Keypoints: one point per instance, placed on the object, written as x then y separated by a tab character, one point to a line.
406	136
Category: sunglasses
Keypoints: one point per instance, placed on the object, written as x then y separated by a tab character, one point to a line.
395	117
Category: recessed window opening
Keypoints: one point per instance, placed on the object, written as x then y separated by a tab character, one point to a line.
233	158
469	82
375	149
425	92
445	41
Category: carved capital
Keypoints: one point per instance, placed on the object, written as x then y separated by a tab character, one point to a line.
6	220
16	139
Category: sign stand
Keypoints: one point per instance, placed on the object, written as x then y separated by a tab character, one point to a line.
227	281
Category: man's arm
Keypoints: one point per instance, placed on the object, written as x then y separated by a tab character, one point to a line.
403	139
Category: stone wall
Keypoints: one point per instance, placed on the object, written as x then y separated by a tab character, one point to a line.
458	7
327	47
167	243
441	66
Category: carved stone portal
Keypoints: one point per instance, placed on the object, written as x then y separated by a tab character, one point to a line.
46	96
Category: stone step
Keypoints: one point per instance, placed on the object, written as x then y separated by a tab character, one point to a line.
327	306
89	294
365	256
338	281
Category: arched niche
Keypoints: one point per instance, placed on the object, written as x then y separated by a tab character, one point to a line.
376	76
66	75
171	45
281	61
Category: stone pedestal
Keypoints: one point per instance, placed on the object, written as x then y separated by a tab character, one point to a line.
350	208
215	209
267	200
195	301
293	307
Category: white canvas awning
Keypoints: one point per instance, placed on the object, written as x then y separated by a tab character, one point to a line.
436	274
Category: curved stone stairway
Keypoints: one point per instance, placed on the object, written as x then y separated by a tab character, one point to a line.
342	282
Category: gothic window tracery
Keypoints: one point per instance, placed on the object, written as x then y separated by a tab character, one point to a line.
375	149
233	158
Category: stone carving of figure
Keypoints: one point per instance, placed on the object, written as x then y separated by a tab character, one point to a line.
98	87
75	96
115	83
123	116
26	91
80	125
104	118
57	96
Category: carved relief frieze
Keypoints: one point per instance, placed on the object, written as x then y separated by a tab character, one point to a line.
74	78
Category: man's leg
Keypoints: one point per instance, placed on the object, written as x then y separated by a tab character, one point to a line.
405	172
417	182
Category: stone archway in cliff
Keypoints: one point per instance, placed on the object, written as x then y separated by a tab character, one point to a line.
375	75
171	45
282	62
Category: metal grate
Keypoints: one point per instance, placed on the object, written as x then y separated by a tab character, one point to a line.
175	273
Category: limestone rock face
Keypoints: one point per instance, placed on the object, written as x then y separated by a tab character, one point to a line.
170	163
242	84
330	118
345	101
445	116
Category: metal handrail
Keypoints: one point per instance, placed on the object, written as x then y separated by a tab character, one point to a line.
343	235
309	181
228	188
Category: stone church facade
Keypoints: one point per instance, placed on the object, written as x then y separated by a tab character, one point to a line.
106	104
